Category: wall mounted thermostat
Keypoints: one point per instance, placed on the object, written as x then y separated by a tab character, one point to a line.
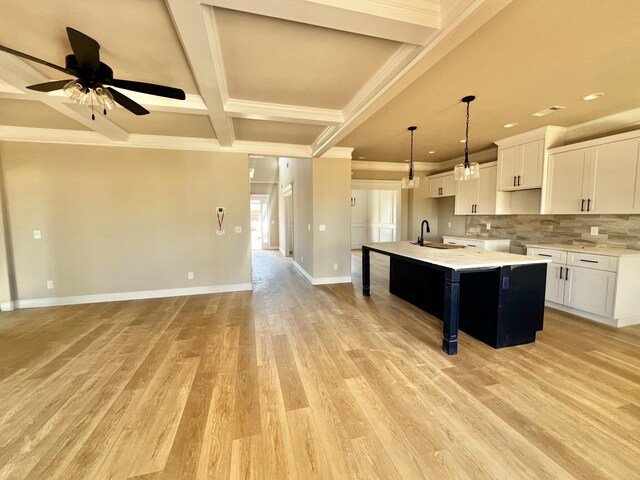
220	216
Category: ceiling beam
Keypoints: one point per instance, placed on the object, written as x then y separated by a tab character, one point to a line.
372	97
405	21
282	113
18	74
197	30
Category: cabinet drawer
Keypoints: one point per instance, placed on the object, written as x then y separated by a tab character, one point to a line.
590	260
556	256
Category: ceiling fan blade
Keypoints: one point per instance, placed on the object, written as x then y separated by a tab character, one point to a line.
34	59
85	49
127	103
49	86
150	88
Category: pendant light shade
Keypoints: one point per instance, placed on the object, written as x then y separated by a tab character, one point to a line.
467	170
410	182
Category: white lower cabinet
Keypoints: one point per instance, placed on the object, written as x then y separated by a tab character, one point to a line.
599	287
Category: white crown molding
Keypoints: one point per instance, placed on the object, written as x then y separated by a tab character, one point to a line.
365	184
140	295
272	149
401	21
320	280
617	121
338	152
282	113
530	136
595	141
392	166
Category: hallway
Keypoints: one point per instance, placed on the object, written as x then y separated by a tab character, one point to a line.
296	381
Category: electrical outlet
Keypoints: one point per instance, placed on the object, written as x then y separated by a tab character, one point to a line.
301	259
323	228
449	224
594	230
190	276
238	229
488	226
335	266
37	234
309	226
49	283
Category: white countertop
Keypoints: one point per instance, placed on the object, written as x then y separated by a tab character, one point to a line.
596	250
456	259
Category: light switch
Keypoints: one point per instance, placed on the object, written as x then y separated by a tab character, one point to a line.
594	230
323	228
309	226
49	283
238	229
37	234
190	276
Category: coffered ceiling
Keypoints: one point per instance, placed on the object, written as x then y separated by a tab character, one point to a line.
308	77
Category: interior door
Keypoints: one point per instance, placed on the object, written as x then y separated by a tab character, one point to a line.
359	213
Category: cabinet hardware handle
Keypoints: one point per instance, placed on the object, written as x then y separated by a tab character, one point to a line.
582	206
561	268
545	255
514	180
518	180
566	275
588	261
588	204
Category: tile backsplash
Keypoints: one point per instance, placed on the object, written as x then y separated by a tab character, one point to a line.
613	230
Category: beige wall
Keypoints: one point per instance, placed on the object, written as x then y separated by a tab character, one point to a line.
7	281
270	189
124	220
332	208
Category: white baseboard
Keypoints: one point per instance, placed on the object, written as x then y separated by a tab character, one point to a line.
141	295
613	322
321	280
7	306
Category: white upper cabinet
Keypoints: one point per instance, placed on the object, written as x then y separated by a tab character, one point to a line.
596	179
441	185
521	166
522	158
477	196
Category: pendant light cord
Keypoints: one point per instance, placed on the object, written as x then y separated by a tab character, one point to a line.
466	142
411	157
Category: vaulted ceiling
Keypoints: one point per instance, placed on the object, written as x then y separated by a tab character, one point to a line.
302	77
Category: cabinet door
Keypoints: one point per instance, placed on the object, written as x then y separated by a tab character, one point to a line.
613	179
487	191
507	175
359	212
567	177
636	204
530	168
466	196
435	184
590	290
448	186
554	290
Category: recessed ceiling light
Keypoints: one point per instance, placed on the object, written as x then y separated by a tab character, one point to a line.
547	111
361	158
463	140
510	125
431	152
593	96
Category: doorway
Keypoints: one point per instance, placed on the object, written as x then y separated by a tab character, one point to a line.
259	217
375	212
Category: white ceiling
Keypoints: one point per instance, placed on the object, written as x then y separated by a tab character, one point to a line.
302	77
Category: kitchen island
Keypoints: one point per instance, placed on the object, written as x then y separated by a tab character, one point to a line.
496	297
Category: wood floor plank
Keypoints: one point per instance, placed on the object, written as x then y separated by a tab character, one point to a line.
295	381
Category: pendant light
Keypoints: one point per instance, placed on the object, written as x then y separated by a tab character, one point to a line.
467	170
410	182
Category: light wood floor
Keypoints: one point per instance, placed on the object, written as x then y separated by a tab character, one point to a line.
293	381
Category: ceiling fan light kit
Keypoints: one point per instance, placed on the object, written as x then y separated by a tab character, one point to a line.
410	182
94	78
467	170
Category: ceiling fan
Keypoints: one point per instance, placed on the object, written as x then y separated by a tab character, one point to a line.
93	78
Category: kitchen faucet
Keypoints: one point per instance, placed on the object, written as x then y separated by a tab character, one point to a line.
421	239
